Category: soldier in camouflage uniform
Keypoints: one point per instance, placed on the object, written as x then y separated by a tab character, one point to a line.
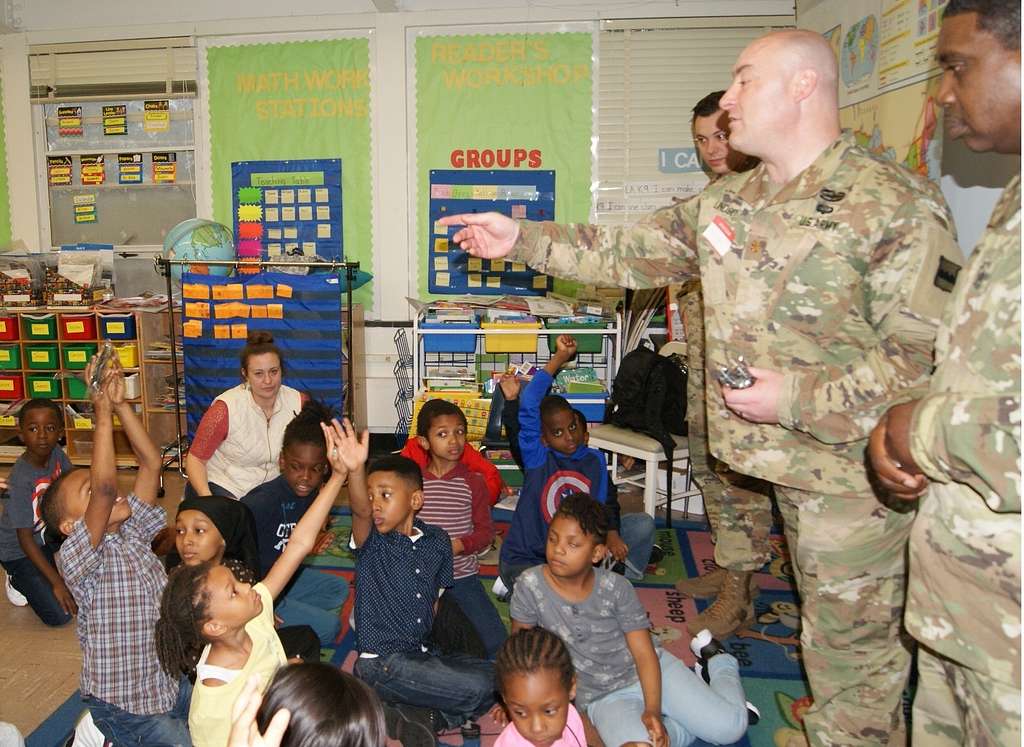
738	508
825	268
959	444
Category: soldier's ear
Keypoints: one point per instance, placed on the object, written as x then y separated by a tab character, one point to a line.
804	83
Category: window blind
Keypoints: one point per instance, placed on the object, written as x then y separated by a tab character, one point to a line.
651	73
142	67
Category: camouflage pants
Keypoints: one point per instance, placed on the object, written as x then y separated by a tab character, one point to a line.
956	706
738	508
849	558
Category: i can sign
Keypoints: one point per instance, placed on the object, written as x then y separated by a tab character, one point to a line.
678	160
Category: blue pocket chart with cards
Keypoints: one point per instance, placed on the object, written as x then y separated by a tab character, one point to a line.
528	195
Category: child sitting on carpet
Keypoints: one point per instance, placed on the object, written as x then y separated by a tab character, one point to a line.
32	578
630	690
537	683
630	536
456	500
557	462
224	629
313	596
402	566
221	530
308	704
108	565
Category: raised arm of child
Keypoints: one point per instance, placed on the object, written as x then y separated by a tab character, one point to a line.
533	451
147	480
103	469
648	670
304	534
353	452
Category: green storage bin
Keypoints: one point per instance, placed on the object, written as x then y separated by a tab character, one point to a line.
42	386
76	357
41	357
76	389
39	326
10	357
584	343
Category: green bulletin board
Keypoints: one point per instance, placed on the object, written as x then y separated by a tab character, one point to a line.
484	100
296	100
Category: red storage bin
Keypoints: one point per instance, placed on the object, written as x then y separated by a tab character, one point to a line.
12	387
9	328
77	327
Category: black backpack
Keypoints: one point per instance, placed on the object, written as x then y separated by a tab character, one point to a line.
649	396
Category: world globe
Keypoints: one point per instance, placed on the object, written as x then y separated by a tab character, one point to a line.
199	239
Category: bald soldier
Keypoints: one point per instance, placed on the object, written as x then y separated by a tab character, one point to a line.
959	445
825	268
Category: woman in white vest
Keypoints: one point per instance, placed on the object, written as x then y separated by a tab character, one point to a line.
238	441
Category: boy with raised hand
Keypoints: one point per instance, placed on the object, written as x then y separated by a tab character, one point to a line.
32	578
402	567
116	579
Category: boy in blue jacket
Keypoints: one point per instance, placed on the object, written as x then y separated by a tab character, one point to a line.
557	462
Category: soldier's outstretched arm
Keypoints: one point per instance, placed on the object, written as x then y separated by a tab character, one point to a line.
972	439
658	250
903	303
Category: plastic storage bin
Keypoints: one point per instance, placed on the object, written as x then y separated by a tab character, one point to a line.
10	357
117	326
9	328
75	389
510	343
591	405
129	355
42	386
584	343
77	356
77	327
449	343
39	327
11	386
41	357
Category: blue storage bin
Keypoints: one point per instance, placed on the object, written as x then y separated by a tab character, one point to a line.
591	405
449	343
117	326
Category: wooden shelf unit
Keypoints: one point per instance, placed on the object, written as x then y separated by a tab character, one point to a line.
150	327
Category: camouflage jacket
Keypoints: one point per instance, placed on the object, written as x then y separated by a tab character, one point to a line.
838	280
964	593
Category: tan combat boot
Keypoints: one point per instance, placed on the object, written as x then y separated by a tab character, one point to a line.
733	610
710	584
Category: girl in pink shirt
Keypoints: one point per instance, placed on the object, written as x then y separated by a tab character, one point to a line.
537	682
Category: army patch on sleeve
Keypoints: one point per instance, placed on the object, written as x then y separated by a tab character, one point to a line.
946	274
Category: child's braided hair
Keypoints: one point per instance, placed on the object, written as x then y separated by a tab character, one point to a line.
184	609
531	650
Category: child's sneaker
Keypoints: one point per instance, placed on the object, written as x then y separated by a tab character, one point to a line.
704	647
753	715
16	597
411	726
657	555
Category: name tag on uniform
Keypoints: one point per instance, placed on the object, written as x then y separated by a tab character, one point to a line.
720	235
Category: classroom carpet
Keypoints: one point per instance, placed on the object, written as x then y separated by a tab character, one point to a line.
768	651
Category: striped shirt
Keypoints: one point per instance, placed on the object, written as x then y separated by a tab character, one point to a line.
458	503
117	586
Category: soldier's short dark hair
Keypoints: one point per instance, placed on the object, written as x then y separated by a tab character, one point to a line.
1001	18
707	105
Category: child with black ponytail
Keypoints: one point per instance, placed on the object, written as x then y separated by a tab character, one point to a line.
224	628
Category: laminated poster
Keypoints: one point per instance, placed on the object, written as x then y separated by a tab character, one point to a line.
129	168
85	208
58	170
69	121
156	116
165	168
93	170
115	120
